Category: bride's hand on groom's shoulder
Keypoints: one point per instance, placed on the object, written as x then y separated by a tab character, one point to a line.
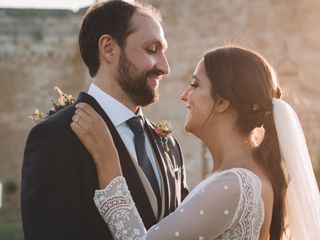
94	133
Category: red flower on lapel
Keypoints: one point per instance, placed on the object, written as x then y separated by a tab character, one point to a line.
163	130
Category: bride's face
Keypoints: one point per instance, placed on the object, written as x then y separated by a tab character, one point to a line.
198	100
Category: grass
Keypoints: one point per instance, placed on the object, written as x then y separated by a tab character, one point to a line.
11	231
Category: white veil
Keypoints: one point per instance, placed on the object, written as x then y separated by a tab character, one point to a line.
303	198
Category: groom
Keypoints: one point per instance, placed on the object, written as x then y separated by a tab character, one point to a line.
123	46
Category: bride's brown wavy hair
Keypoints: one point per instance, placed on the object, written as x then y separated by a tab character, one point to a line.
248	81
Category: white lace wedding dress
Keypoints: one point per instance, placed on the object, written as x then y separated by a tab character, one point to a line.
226	205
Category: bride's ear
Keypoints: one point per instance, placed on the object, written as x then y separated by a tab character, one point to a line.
222	104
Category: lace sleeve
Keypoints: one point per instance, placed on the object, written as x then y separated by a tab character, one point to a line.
206	213
118	210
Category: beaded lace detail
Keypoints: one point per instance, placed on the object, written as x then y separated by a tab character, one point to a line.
250	213
227	205
117	208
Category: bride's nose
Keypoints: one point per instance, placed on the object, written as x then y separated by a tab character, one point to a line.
184	95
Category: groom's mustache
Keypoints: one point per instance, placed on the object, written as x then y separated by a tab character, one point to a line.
154	73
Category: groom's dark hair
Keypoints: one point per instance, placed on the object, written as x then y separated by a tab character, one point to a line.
112	18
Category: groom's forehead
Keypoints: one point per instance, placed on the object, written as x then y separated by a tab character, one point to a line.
146	30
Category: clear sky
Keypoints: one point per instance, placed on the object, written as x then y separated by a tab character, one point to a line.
68	4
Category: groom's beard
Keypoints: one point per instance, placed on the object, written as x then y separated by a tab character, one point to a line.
137	88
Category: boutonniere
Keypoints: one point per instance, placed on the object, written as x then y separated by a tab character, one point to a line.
163	130
63	101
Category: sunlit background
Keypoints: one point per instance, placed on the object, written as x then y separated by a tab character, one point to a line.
49	4
39	50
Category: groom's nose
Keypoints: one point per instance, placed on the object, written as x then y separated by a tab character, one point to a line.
162	64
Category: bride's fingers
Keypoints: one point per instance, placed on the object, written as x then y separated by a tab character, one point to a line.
83	122
86	125
82	114
76	119
86	108
76	129
81	127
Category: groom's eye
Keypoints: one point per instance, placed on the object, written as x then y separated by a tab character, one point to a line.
151	50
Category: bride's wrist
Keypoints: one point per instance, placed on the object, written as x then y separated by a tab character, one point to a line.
99	158
105	157
106	161
107	171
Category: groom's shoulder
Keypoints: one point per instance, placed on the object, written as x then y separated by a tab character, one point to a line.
58	122
62	117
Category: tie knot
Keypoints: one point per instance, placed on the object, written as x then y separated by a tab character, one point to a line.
135	125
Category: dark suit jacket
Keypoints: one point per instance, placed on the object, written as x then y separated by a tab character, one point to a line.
59	179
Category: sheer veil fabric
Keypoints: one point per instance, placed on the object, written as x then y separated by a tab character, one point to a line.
303	198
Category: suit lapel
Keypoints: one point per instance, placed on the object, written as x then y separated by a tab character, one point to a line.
166	170
129	169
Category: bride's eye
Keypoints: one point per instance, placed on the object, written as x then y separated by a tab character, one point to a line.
193	84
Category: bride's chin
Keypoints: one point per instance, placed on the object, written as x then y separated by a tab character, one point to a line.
187	127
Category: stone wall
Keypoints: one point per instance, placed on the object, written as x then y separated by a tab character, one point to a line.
285	32
38	50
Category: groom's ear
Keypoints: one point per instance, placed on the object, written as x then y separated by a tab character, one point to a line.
222	105
108	48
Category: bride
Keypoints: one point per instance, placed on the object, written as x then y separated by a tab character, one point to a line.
261	186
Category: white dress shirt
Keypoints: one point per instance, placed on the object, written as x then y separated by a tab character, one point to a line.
119	114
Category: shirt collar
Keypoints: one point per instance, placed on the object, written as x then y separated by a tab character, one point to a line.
116	111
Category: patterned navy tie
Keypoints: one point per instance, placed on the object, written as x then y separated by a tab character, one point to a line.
136	127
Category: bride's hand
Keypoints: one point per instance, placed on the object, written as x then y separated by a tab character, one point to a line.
93	132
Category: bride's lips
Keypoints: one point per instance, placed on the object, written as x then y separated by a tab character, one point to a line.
188	111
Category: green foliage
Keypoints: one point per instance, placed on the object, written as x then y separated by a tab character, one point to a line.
10	186
11	232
